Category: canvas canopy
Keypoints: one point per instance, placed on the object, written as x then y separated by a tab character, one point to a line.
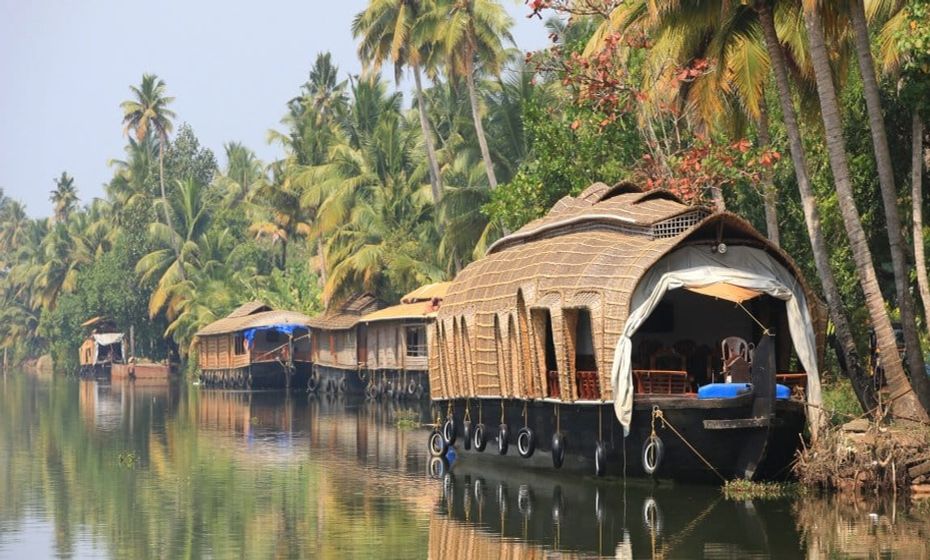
739	274
285	328
102	340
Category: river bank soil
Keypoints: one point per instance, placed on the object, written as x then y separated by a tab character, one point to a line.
869	456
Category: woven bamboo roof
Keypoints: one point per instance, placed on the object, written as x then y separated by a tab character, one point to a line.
418	310
347	314
249	308
623	206
231	323
436	290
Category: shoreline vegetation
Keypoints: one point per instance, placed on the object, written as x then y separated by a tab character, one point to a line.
738	106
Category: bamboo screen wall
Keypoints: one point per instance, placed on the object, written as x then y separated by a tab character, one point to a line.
489	339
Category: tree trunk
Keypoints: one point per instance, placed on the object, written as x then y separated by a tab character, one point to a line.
769	193
479	128
716	196
284	255
847	353
917	197
434	177
915	358
164	201
322	255
906	403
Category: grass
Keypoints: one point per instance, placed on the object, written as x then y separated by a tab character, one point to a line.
407	419
749	490
128	459
840	401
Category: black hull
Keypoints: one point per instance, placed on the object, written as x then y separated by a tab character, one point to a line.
375	385
257	376
96	371
752	452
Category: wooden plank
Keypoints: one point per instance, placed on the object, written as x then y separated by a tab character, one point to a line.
741	423
919	470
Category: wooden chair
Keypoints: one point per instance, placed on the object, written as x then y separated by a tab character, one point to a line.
661	382
667	359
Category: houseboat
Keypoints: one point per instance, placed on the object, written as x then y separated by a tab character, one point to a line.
396	347
255	347
627	332
339	347
103	347
141	370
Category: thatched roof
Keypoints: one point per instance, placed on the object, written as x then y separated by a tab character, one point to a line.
347	314
589	251
250	308
436	290
252	315
418	310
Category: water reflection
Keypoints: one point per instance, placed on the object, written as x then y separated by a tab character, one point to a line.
89	469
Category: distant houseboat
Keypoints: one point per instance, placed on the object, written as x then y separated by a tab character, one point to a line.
142	370
339	346
255	347
396	345
103	347
623	311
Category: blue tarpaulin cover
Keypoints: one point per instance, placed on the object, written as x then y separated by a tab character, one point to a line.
286	328
730	390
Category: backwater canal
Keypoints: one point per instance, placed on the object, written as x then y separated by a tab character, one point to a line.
94	470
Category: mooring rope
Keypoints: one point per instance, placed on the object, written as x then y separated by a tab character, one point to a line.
657	414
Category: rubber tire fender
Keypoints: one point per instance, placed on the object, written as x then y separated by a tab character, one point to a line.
480	439
503	439
437	444
449	432
600	458
653	446
558	449
466	434
526	442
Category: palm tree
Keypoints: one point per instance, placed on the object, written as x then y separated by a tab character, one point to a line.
847	346
64	198
176	245
281	215
64	252
147	113
386	28
471	34
14	226
863	48
906	403
242	175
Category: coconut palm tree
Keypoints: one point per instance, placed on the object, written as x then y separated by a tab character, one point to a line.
241	176
280	215
470	34
863	49
906	402
147	113
176	245
64	197
386	29
64	252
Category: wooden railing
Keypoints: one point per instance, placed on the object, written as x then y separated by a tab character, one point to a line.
589	388
553	388
661	382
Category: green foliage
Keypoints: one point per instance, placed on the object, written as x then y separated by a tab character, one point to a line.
840	401
568	150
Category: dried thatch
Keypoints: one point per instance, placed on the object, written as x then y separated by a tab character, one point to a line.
231	323
589	252
429	292
347	314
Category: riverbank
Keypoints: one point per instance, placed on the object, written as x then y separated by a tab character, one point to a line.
864	455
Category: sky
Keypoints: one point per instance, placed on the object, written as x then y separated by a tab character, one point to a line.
66	65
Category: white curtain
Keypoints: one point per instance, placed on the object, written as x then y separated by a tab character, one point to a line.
696	267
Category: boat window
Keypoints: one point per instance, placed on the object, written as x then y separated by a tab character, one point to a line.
545	339
586	377
416	341
239	346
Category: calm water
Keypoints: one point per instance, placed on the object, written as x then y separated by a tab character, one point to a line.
96	470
